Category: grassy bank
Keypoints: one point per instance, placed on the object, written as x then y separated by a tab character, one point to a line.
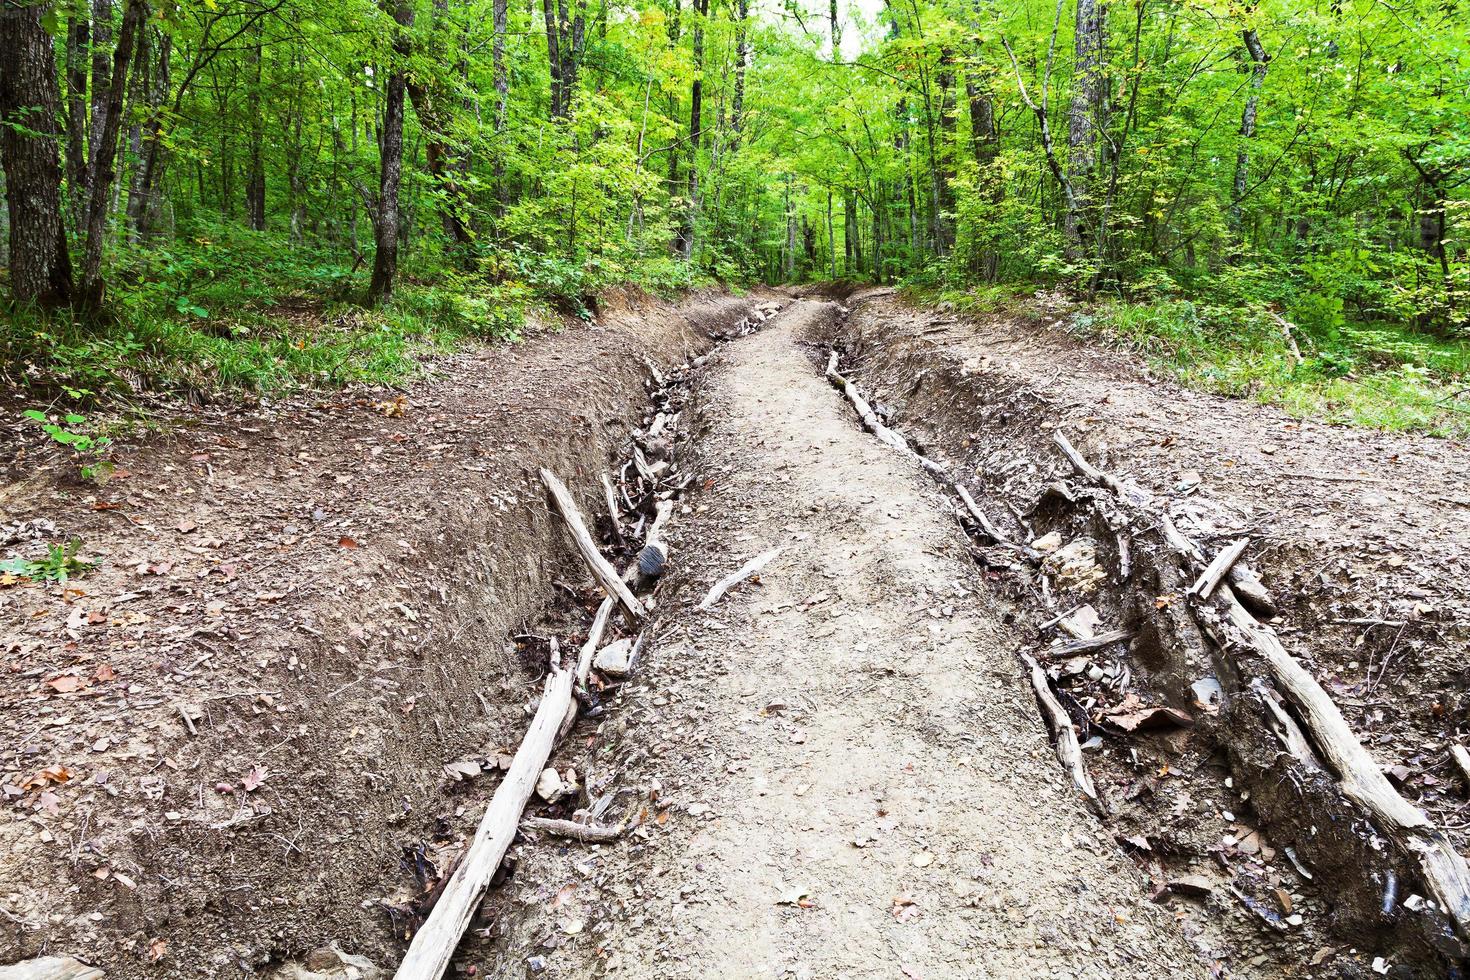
1381	376
235	313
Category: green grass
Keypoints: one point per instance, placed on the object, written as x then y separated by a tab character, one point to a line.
1380	376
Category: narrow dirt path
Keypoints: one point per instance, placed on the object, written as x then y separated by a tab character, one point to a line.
867	790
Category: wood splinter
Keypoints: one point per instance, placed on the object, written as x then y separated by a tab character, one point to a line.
742	573
1069	751
587	833
601	568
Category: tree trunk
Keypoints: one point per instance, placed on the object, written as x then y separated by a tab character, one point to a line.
78	35
390	142
696	103
30	105
104	155
255	175
101	69
1087	119
553	57
742	58
501	75
1259	61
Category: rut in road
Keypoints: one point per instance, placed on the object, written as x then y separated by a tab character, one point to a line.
883	800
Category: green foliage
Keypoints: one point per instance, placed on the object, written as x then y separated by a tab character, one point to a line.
62	563
90	451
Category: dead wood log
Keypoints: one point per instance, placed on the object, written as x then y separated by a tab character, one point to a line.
434	944
1443	869
1098	642
50	968
611	498
1069	752
587	833
1125	492
601	568
742	573
1461	757
1217	569
874	424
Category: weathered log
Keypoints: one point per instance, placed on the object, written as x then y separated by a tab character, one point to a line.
611	498
874	424
588	833
742	573
434	944
990	529
601	568
1069	751
1217	569
1098	642
50	968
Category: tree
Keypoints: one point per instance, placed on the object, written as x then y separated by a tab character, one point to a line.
40	266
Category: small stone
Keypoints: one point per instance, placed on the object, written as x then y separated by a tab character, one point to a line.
1047	542
614	659
536	964
550	786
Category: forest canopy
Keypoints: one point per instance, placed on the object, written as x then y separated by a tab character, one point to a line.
207	170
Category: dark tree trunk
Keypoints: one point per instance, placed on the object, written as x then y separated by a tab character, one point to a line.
742	58
104	155
943	171
696	104
78	37
386	221
101	72
30	107
255	164
553	57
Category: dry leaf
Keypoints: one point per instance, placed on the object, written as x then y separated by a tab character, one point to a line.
65	684
253	778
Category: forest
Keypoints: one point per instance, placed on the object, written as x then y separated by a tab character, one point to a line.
250	193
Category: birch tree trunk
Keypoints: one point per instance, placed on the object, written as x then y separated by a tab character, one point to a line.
1087	120
1259	60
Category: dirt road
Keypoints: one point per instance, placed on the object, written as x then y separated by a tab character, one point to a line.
869	791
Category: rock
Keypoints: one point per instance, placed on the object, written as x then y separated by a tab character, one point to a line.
1192	886
1207	694
329	963
1082	624
1047	543
615	658
1075	565
550	787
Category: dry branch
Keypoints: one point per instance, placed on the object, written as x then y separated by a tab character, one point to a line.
736	577
601	569
1069	752
434	944
1217	569
874	424
1098	642
588	833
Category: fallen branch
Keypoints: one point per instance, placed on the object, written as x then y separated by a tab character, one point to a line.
991	531
742	573
602	570
1217	569
434	944
1098	642
874	424
612	508
1069	752
587	833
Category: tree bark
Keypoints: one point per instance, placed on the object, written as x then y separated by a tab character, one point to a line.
255	175
78	38
387	219
101	70
40	266
104	154
742	58
696	103
553	57
1087	120
501	76
1259	61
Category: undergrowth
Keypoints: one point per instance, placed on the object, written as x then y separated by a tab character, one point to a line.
229	312
1382	376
